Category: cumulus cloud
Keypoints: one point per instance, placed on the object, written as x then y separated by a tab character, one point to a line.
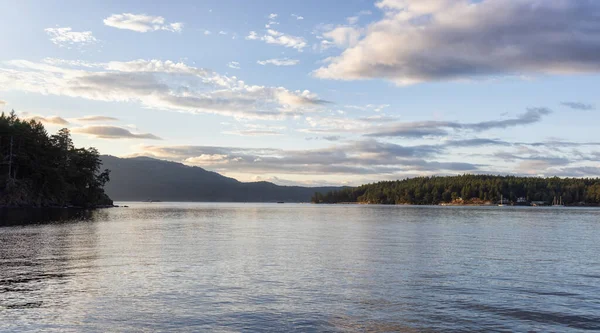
112	132
141	23
439	40
66	37
159	84
298	17
579	106
279	62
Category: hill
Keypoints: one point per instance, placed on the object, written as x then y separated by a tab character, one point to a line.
144	178
470	189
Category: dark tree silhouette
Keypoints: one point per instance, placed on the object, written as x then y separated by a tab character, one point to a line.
38	170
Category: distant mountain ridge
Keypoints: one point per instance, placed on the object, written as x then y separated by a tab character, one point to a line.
145	178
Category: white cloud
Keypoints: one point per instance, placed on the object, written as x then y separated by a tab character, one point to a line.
71	63
95	118
272	16
222	32
344	36
51	120
141	23
252	35
207	32
234	65
279	62
66	37
352	19
162	85
439	40
112	132
298	17
279	38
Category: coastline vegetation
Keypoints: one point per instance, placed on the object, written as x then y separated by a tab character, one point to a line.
42	170
470	189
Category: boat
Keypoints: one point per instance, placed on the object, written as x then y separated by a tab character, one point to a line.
557	203
501	201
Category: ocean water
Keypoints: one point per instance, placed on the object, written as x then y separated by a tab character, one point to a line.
299	267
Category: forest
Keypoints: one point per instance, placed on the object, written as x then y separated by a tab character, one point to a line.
470	189
42	170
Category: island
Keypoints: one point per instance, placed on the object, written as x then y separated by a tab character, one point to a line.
471	190
42	170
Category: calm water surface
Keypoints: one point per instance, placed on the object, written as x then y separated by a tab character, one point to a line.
269	267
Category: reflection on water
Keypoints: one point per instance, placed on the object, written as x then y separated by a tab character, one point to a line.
253	267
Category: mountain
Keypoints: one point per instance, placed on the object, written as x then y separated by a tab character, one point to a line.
144	178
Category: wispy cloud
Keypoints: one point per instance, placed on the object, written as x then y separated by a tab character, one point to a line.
234	65
579	106
159	84
279	62
279	38
66	37
141	23
298	17
95	118
112	132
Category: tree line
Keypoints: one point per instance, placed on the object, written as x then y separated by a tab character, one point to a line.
469	189
42	170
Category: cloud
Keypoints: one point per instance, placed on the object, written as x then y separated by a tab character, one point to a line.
253	132
234	65
95	118
71	63
272	16
326	138
252	35
368	157
442	128
164	85
441	40
52	120
222	32
275	37
2	103
298	17
579	106
66	37
207	32
112	132
141	23
344	36
279	62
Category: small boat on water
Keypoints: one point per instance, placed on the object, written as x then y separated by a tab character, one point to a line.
501	201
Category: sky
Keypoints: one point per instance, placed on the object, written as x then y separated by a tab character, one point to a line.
315	92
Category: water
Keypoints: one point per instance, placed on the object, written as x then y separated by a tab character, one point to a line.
306	268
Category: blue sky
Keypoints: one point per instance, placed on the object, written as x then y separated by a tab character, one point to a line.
313	92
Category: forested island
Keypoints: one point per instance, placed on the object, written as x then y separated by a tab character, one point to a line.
42	170
471	189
